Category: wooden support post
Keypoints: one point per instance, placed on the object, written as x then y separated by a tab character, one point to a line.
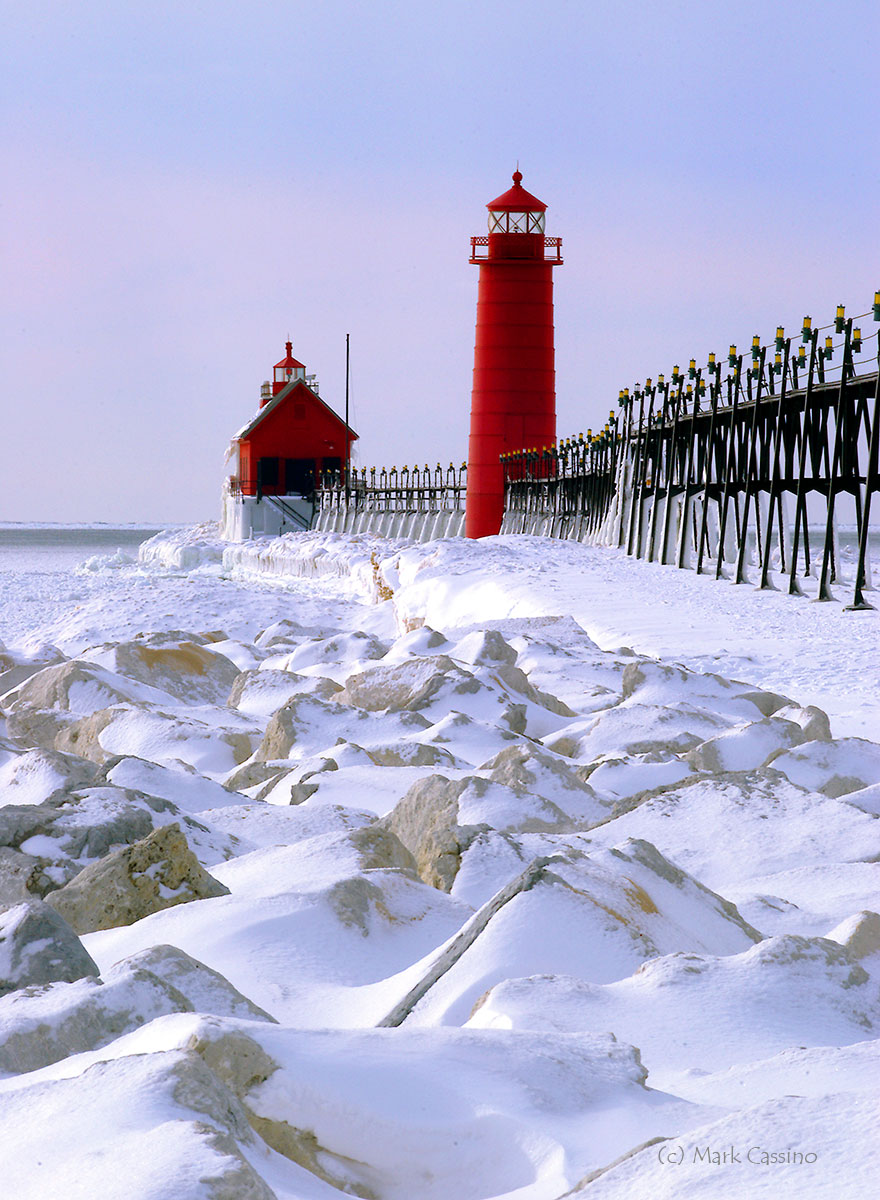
824	592
750	474
707	474
800	504
686	488
636	476
672	454
650	432
774	482
871	484
662	459
728	474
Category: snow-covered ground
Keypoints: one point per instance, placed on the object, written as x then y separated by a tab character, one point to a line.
513	869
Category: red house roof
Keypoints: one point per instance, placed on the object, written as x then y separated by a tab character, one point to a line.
282	396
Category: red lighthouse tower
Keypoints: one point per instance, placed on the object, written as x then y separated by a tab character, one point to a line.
513	403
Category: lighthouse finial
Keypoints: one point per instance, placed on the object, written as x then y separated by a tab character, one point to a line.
517	175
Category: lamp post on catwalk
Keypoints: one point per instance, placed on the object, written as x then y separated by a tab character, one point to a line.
513	403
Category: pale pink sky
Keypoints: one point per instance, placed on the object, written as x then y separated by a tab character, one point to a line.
187	184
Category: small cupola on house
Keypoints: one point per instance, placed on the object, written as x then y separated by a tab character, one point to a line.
286	370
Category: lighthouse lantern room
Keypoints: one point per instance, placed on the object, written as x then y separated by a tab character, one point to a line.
281	454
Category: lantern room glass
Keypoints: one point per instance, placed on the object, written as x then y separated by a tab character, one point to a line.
502	221
283	374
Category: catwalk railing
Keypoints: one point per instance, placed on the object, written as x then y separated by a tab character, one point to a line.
420	490
730	474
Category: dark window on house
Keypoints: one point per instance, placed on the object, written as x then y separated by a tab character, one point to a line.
267	472
332	464
299	412
299	475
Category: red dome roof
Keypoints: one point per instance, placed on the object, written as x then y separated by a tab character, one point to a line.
289	360
517	199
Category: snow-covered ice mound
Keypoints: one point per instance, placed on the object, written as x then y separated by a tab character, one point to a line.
693	1012
599	917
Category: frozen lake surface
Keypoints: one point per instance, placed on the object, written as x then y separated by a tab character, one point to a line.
49	549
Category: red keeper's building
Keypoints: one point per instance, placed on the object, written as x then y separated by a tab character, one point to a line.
513	403
281	454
